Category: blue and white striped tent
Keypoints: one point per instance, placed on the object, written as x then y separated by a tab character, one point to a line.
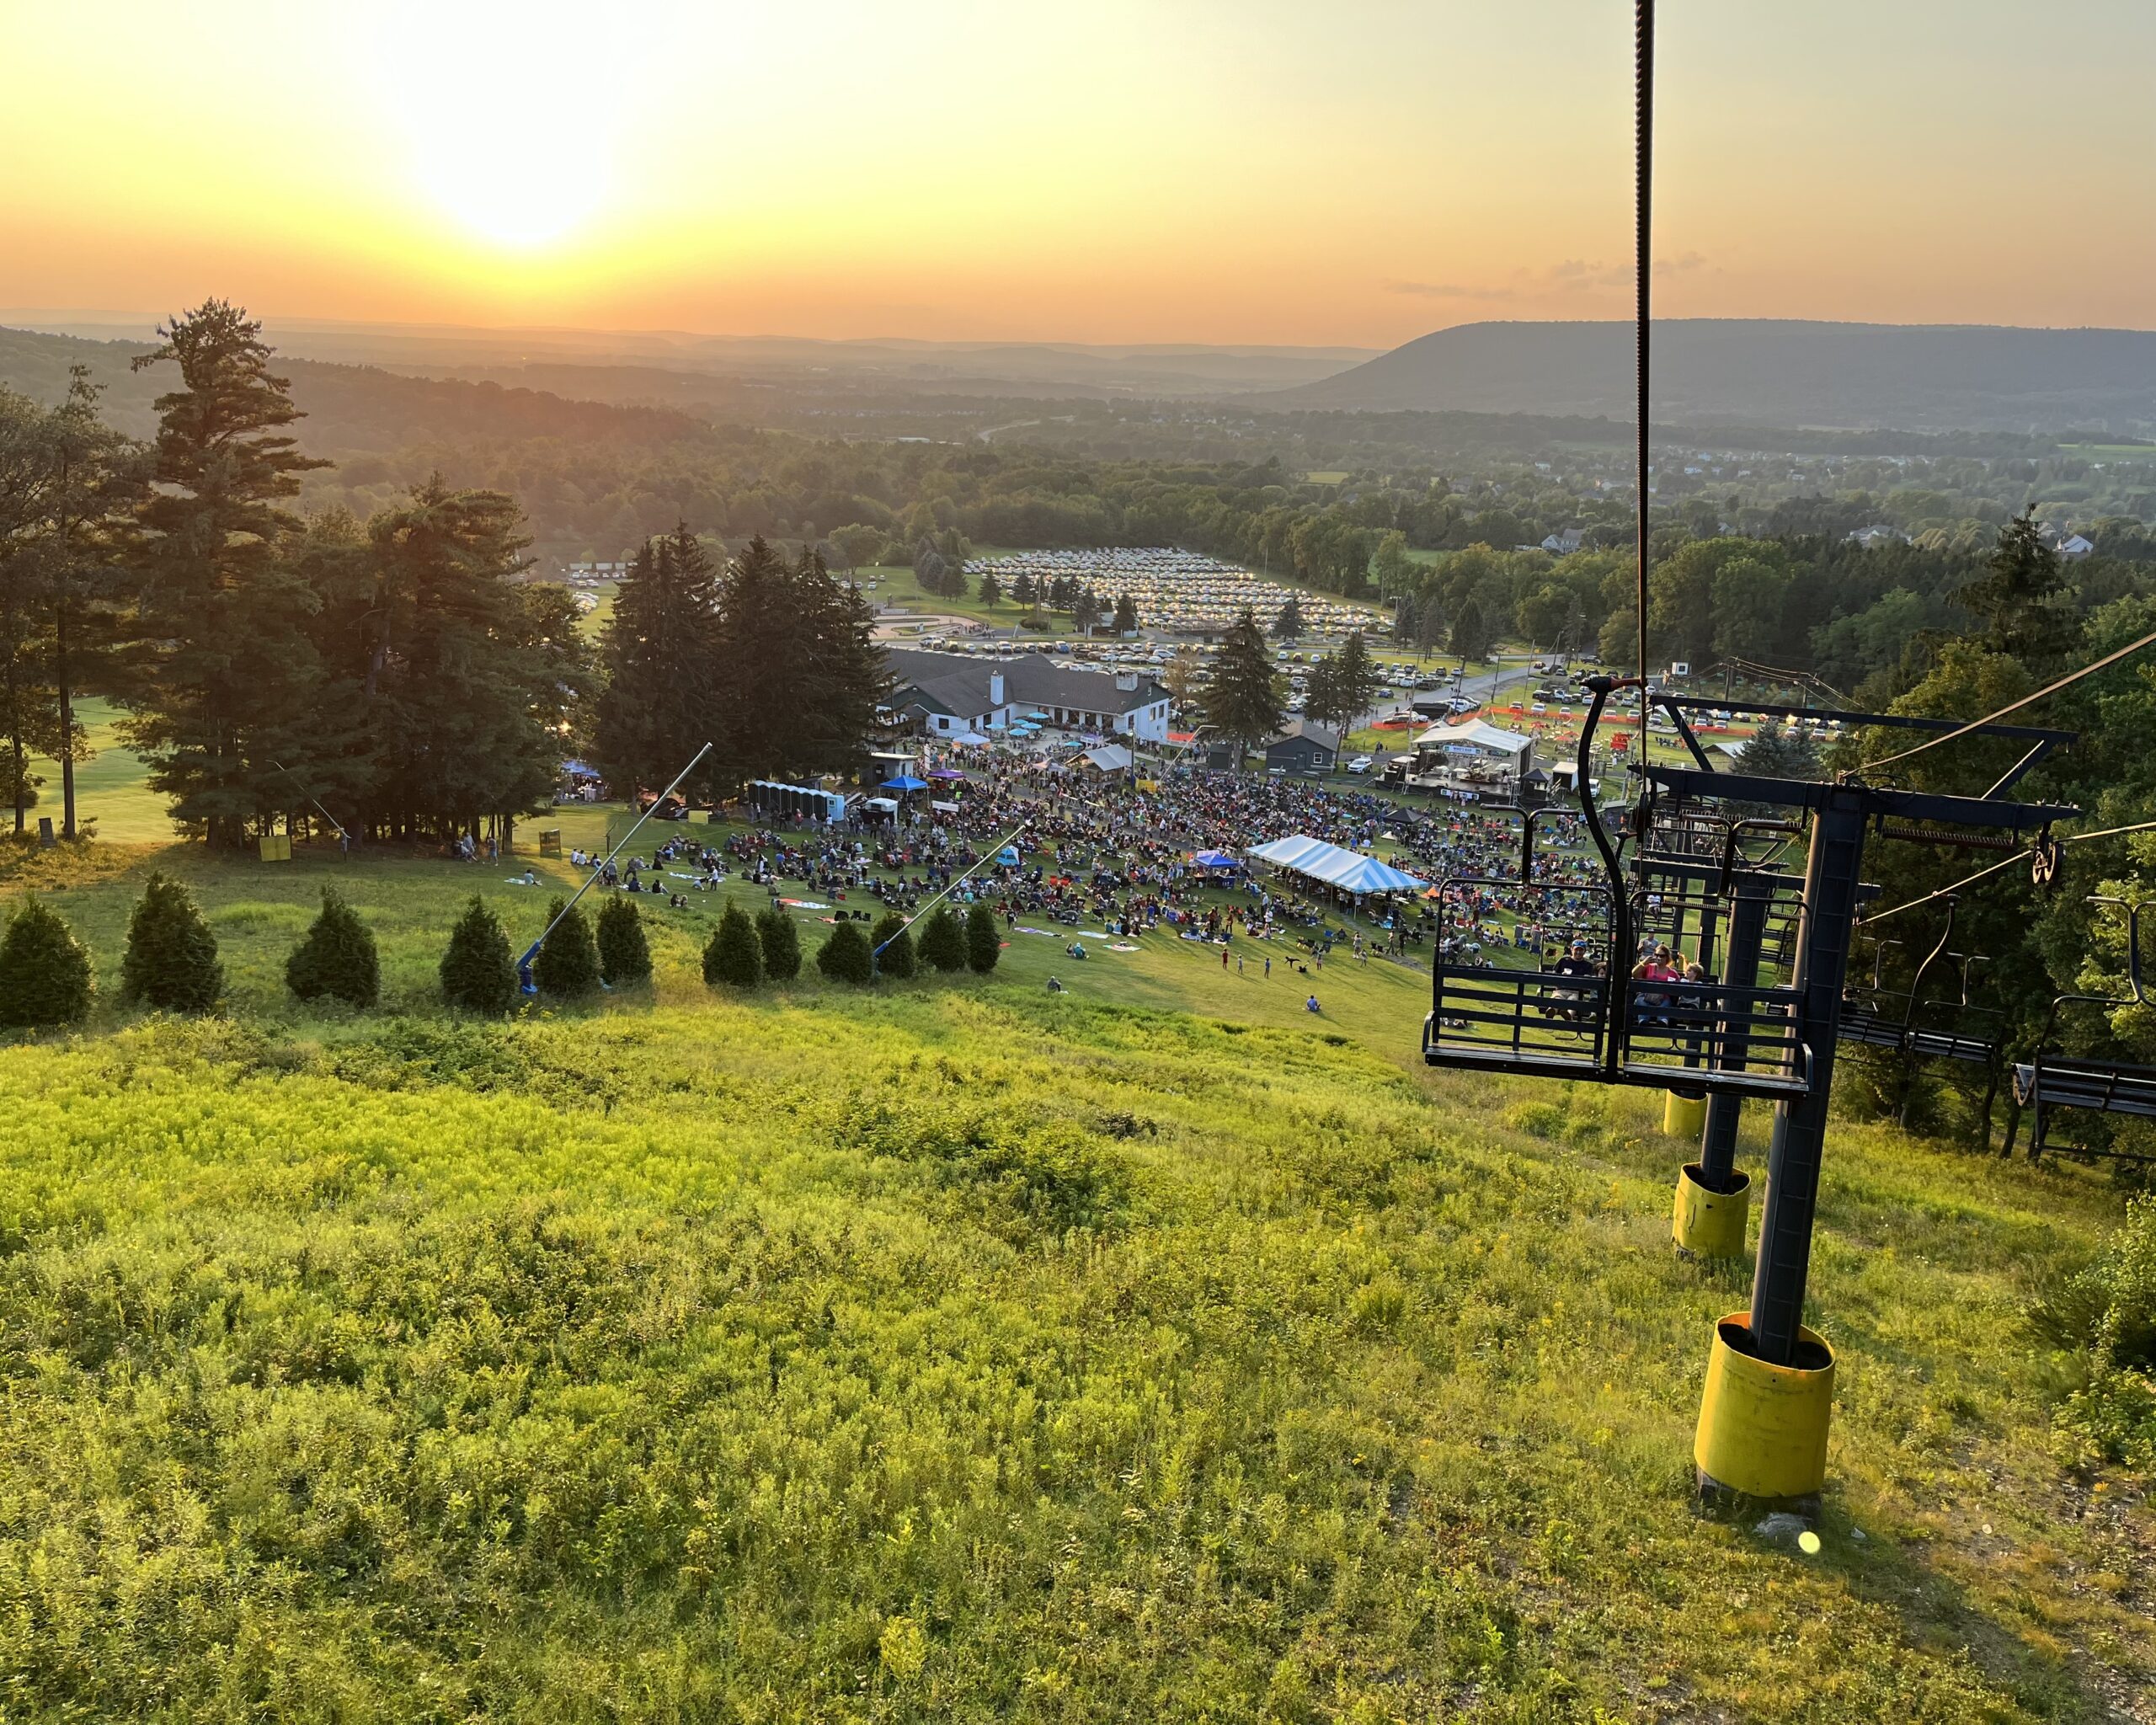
1348	871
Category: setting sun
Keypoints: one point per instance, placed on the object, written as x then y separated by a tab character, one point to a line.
510	115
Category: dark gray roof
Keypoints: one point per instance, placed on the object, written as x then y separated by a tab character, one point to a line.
956	684
1310	730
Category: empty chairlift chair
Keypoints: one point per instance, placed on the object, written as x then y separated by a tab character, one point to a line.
2055	1082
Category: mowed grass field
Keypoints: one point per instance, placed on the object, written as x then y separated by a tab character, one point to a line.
958	1351
260	909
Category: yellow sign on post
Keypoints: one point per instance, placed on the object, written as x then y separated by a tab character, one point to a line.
275	847
549	841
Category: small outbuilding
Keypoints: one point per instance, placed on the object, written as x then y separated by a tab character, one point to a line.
1304	746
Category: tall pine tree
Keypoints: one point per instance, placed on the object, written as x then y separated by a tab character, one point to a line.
659	658
451	680
800	670
1242	692
227	680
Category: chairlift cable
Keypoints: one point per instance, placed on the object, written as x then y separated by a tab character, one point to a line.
989	857
2072	838
1943	892
1642	271
1977	724
532	952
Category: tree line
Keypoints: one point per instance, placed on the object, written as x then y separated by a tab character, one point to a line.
401	675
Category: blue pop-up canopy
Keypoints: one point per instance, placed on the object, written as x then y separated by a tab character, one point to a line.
905	782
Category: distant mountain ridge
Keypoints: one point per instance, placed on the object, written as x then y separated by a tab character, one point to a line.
1767	370
1175	369
347	406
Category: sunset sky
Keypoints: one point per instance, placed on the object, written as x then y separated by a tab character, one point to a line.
1358	172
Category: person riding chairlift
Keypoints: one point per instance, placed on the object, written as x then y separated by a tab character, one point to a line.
1658	966
1569	1003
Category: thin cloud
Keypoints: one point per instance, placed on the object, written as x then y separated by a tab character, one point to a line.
1568	276
1448	291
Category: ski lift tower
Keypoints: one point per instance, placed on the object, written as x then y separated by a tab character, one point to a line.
1762	1433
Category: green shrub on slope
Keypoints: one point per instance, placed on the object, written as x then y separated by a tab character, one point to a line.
337	959
171	956
477	973
45	971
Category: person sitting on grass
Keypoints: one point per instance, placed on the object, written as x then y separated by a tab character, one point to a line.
1311	1005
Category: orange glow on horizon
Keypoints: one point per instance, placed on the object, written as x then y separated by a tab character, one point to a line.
1184	173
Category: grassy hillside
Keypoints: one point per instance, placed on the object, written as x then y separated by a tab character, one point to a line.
965	1353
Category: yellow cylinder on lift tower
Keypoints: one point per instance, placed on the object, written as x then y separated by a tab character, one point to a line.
1708	1222
1684	1116
1763	1427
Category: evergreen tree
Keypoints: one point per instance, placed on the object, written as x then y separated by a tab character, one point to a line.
893	947
567	964
1470	634
732	955
1085	611
1022	589
844	957
1359	677
337	959
659	656
1288	622
171	956
68	486
990	590
779	942
803	672
450	679
479	974
624	953
2023	601
845	681
1241	695
45	971
1126	615
230	676
1430	624
983	944
1776	753
943	940
1324	698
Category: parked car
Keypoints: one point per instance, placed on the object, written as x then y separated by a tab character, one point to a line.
1361	763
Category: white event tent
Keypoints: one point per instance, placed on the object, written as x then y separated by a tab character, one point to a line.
1348	871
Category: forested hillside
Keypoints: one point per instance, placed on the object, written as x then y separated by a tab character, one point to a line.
1782	370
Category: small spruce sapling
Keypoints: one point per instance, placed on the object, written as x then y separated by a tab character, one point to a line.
780	942
624	953
567	964
172	955
732	956
896	956
45	971
943	941
477	973
844	957
337	959
983	944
